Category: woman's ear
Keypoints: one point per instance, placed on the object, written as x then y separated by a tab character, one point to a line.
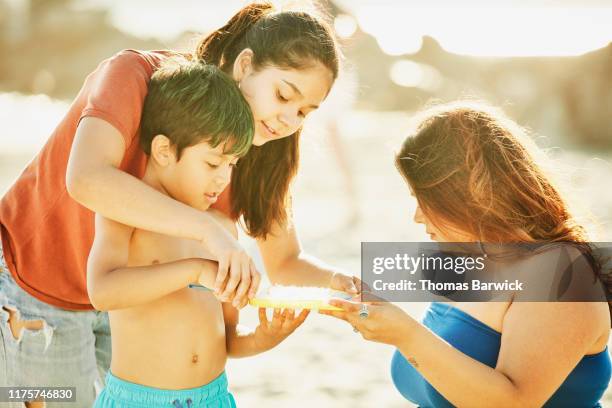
243	65
162	151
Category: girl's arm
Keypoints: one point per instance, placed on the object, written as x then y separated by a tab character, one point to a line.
113	285
287	264
94	180
244	342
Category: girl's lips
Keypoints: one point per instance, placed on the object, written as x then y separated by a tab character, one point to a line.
270	130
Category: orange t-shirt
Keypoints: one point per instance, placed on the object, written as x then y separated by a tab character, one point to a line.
46	235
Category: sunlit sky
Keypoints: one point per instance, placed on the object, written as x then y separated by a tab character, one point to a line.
498	28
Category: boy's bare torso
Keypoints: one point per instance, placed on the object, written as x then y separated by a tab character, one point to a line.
175	342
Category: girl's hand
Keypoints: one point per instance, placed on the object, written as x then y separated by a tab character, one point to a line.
270	334
345	283
237	279
207	276
386	323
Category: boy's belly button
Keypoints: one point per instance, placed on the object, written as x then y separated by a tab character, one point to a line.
194	359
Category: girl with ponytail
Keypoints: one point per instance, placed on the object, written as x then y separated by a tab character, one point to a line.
475	178
284	63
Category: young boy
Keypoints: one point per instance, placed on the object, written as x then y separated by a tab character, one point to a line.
169	342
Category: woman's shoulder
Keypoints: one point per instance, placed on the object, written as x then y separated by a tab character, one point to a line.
558	261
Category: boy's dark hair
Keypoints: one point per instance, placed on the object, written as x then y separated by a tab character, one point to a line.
190	102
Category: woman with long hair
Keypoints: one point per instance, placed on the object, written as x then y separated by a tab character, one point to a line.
476	179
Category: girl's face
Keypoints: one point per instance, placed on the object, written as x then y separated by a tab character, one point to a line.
280	99
449	234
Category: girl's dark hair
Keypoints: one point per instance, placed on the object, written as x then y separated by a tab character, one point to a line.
286	39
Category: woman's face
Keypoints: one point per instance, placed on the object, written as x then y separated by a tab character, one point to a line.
280	99
448	234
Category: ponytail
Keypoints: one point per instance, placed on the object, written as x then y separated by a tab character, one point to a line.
212	48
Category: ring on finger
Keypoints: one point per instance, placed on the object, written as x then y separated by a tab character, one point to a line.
364	312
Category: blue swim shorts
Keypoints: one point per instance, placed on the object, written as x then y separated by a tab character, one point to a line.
123	394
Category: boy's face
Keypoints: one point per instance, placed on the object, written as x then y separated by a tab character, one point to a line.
200	175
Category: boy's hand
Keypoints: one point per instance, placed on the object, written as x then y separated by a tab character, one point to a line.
270	334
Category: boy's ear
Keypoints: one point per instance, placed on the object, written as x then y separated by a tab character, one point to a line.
162	151
243	65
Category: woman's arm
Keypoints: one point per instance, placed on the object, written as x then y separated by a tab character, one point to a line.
287	264
94	180
541	344
112	285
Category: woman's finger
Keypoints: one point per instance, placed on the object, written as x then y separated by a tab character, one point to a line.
355	320
346	305
334	313
371	298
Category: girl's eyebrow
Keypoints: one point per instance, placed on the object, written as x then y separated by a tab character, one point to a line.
297	90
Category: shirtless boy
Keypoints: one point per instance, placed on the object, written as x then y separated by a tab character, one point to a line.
169	342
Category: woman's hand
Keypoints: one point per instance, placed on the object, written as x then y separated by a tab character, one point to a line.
386	323
269	334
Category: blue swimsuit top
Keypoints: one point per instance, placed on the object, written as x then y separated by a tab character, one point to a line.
583	387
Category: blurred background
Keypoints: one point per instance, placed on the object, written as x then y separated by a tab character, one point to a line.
547	64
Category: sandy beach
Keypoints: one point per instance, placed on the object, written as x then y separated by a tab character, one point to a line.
324	364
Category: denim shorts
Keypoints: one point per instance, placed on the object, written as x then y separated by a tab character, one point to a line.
69	349
119	393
